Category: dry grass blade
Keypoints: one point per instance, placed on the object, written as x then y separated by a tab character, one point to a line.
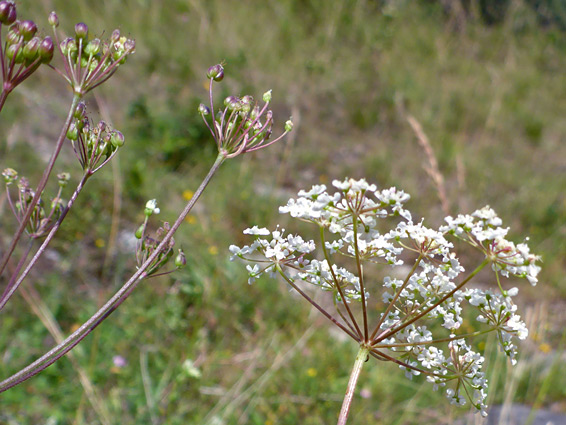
431	167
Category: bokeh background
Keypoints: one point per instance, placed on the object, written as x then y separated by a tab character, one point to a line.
484	79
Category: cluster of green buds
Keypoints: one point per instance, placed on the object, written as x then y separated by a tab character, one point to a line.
89	63
42	219
242	124
94	145
147	245
23	51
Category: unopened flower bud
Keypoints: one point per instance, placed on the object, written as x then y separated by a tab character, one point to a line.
28	29
180	260
288	125
267	96
231	102
139	231
80	111
203	109
31	49
117	139
93	47
215	72
53	20
10	175
68	46
130	46
72	132
13	36
81	30
14	50
63	179
46	49
7	12
115	36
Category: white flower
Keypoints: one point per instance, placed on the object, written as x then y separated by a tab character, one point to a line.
256	231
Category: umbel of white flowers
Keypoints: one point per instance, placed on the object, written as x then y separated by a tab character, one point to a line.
419	327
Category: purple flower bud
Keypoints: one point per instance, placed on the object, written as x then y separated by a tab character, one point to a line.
7	12
130	45
31	49
68	46
117	139
180	260
46	49
231	102
115	36
13	36
80	111
28	29
53	20
81	30
215	72
203	109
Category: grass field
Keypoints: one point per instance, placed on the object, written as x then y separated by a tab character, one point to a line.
201	346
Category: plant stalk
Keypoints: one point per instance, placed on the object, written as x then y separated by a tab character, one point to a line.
72	340
361	358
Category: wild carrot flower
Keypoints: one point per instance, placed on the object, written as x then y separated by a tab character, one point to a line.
419	327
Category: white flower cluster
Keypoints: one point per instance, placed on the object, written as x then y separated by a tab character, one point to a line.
429	299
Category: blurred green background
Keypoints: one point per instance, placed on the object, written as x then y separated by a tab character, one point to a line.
486	81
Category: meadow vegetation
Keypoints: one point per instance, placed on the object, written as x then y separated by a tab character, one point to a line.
201	346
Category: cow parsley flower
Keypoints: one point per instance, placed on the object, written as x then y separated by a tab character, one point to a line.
416	281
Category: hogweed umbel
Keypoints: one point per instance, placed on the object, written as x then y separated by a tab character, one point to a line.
419	327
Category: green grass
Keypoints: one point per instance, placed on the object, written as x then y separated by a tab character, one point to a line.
490	98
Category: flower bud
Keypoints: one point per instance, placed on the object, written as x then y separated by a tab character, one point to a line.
63	179
80	111
10	175
72	132
93	47
203	109
215	72
13	36
139	231
53	20
31	49
231	102
28	29
7	12
180	260
115	36
81	31
288	125
130	46
68	46
267	96
117	139
46	49
14	50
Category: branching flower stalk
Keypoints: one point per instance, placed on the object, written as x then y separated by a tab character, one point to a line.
94	146
154	253
87	64
419	327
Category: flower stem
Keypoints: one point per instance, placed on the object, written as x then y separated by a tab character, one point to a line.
361	358
72	340
40	186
